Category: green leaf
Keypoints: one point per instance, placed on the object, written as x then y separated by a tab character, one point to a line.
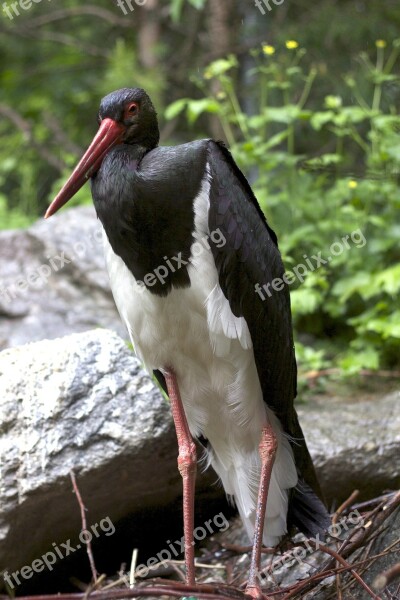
176	7
360	282
285	114
220	67
387	327
199	4
389	280
305	300
323	160
174	109
196	107
319	119
354	362
351	114
276	139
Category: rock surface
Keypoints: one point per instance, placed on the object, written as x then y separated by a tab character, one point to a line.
53	280
354	445
83	403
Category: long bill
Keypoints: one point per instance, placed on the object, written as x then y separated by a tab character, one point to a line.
109	134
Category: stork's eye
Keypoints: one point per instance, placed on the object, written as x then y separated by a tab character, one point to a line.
132	108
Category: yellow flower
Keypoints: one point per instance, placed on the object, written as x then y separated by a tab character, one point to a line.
292	44
352	184
267	49
380	44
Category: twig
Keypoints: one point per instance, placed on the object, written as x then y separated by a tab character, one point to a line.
380	514
113	584
84	525
62	38
374	501
345	505
385	578
361	535
314	374
133	568
243	549
357	545
335	517
175	589
90	10
343	562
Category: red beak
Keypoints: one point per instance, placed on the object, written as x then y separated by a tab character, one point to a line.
109	134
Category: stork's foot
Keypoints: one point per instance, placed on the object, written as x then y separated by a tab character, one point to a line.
254	591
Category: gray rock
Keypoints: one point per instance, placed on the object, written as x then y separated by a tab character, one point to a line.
354	445
84	403
53	280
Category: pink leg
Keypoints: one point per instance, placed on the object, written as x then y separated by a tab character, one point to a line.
187	464
268	447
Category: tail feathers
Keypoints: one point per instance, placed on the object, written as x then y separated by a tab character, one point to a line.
307	512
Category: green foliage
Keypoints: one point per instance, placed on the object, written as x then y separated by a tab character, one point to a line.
123	70
176	7
320	142
51	91
340	203
12	219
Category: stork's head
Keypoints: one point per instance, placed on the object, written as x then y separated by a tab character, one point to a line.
126	116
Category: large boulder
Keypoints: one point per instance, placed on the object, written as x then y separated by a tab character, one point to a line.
53	280
80	403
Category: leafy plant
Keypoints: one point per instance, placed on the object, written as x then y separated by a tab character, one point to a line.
176	7
12	218
341	201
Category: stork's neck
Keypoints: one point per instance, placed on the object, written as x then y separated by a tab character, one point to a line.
135	151
146	205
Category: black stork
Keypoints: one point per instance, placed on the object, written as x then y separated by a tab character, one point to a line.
187	246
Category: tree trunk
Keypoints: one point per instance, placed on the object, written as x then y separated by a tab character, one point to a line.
149	33
220	36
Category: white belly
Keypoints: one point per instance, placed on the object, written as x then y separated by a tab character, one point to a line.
193	331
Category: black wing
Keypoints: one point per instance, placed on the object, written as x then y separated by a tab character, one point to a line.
250	257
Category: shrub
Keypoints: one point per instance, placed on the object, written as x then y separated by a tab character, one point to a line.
327	178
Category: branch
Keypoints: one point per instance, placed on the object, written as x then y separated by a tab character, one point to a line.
26	128
174	589
343	562
385	509
59	134
92	10
84	525
61	38
314	374
345	505
387	577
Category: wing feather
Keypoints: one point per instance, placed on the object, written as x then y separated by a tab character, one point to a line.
250	257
